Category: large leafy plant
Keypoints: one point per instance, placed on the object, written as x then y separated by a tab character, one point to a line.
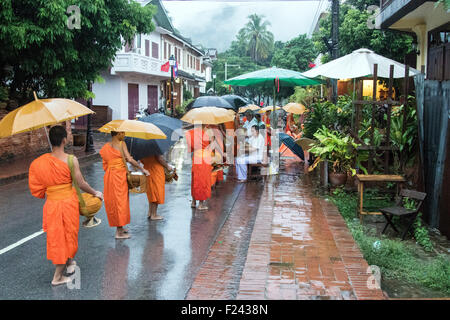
336	148
333	116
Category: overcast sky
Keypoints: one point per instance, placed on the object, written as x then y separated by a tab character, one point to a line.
215	24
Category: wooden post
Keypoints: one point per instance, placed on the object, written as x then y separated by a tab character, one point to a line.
388	127
405	113
372	126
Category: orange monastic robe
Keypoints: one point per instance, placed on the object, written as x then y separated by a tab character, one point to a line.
201	164
115	192
49	176
156	179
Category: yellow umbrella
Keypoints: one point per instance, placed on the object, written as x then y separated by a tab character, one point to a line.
305	143
251	107
40	113
134	129
295	108
209	115
268	108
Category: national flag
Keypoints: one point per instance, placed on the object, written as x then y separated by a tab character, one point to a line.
175	70
165	67
311	65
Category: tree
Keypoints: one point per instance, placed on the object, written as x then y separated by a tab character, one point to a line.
239	47
259	39
354	34
40	52
296	54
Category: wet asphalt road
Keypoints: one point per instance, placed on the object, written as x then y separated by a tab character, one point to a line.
160	261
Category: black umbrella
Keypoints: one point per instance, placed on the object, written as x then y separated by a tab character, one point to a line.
209	101
236	101
140	148
289	142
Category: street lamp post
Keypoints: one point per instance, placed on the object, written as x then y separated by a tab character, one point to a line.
172	63
214	77
230	65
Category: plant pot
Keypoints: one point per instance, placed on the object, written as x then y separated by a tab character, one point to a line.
337	179
79	140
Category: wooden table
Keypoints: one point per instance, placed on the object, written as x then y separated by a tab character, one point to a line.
362	178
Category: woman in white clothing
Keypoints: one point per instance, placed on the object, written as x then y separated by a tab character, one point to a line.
256	150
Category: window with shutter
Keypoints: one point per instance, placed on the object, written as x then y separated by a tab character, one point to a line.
155	50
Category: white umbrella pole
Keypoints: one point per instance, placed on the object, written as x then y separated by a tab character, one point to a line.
48	139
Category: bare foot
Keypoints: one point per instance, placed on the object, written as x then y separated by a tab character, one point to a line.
62	280
156	218
193	204
202	207
122	235
124	230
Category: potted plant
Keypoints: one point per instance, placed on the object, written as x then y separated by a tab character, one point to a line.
337	149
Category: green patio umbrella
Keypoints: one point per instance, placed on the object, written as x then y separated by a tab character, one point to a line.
272	78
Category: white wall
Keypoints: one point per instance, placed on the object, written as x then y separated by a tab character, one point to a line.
114	93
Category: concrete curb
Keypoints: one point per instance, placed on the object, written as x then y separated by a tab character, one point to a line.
24	175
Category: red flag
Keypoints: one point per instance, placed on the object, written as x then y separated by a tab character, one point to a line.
165	67
311	65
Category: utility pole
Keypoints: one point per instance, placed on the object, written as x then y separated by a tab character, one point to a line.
89	138
334	42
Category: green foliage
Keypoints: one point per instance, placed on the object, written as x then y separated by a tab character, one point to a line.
296	54
332	116
305	96
445	3
421	234
397	259
355	34
45	55
336	148
181	109
187	95
3	93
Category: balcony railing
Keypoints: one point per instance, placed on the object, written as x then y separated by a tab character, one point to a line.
134	62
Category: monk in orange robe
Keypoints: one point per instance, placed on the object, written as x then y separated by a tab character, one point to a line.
49	176
198	143
292	130
156	183
117	204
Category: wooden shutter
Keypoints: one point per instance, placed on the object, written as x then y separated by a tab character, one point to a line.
155	50
147	48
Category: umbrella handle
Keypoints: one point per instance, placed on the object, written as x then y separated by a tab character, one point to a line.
48	138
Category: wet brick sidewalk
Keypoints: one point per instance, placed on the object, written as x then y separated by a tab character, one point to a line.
300	248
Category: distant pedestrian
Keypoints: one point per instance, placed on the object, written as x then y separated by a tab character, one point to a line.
117	204
49	176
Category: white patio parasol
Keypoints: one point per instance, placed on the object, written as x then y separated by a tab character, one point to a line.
358	64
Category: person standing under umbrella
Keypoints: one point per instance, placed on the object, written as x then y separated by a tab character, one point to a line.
50	177
156	183
117	203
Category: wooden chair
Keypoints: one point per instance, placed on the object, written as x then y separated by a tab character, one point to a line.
401	211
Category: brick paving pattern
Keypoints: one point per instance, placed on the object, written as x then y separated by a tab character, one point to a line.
301	249
220	274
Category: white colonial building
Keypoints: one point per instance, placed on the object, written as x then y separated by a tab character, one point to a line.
135	82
